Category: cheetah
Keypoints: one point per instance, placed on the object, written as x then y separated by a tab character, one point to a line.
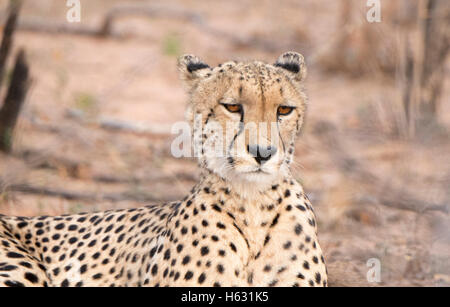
247	222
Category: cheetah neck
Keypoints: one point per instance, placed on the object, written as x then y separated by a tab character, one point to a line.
254	215
245	191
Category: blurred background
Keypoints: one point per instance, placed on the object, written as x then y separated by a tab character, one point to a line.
86	110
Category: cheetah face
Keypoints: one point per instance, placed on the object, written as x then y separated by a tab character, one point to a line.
245	115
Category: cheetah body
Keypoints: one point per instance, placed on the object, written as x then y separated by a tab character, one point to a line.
226	232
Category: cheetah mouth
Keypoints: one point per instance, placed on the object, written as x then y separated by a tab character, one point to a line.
258	171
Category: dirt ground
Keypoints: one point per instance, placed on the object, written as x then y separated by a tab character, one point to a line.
81	84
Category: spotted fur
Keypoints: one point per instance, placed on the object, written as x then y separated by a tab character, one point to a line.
233	229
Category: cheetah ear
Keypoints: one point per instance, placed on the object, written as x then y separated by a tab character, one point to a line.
192	69
294	64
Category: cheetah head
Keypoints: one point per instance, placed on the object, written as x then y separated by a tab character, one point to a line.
246	115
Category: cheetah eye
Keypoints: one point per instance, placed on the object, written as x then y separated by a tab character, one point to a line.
233	108
285	110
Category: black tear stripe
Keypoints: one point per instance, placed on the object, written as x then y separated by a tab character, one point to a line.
241	129
191	67
279	134
292	67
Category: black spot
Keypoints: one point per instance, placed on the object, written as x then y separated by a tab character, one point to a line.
22	224
179	248
25	264
298	229
220	225
97	276
134	217
188	275
301	208
233	247
275	220
217	208
154	269
14	255
220	268
318	278
73	240
167	254
73	227
250	278
11	283
194	230
201	278
287	193
273	283
204	250
186	259
56	271
65	283
8	268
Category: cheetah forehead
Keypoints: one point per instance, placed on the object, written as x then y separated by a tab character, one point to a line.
287	72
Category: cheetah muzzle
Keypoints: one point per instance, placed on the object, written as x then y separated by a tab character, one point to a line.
247	222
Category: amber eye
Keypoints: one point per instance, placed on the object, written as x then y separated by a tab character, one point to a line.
233	108
284	110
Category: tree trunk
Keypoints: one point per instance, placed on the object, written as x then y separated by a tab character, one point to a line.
13	102
8	31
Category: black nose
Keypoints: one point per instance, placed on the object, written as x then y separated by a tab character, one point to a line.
261	153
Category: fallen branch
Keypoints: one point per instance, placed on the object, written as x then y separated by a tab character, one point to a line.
377	190
88	197
120	125
36	159
136	180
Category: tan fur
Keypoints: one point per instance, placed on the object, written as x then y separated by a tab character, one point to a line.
246	223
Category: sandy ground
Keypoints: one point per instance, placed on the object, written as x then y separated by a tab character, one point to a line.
134	79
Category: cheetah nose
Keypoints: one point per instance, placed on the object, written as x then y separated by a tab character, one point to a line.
261	154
